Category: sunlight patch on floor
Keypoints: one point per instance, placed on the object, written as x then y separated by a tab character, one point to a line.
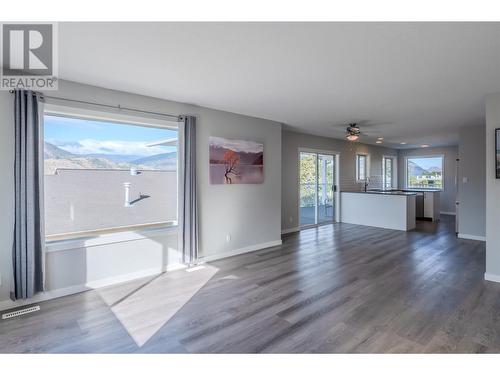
144	306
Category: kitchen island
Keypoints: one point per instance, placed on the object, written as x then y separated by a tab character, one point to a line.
382	209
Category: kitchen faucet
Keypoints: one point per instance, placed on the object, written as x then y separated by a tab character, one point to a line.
367	181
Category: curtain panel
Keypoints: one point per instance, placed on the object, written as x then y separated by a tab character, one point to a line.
28	244
189	200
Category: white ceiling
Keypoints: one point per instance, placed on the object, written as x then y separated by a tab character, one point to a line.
409	82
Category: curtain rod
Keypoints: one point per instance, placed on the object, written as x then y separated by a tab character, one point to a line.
119	107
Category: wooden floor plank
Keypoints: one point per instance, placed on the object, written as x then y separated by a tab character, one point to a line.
338	288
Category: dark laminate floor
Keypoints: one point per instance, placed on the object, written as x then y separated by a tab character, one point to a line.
335	289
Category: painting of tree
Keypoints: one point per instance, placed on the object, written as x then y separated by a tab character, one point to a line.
231	161
234	161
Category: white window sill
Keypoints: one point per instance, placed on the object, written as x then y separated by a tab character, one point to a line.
109	238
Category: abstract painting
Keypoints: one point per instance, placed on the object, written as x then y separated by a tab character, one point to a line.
234	161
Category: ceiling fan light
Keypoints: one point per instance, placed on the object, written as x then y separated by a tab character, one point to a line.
352	132
352	137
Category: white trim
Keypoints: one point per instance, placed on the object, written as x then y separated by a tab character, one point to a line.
133	275
290	230
492	277
56	293
51	294
471	237
448	213
84	111
367	166
394	181
336	156
114	115
243	250
109	238
318	151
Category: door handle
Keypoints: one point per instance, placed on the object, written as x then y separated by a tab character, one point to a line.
334	188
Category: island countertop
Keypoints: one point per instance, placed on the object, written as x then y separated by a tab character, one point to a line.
386	192
382	209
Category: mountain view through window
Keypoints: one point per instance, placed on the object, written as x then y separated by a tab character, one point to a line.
424	172
102	176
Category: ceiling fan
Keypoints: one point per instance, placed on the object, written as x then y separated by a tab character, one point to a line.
353	130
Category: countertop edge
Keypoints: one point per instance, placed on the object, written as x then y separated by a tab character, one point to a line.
405	194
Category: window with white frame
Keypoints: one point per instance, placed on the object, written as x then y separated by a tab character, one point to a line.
389	172
362	165
107	174
425	172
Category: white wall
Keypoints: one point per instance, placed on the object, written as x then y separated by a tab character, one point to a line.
471	213
290	173
492	191
249	213
448	195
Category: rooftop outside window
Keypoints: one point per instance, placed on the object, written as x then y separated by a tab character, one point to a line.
103	176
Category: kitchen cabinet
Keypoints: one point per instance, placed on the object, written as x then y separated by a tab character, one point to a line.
427	204
390	210
431	205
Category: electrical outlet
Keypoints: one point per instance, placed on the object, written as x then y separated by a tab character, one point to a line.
228	238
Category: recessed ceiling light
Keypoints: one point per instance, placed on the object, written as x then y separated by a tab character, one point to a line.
402	143
380	138
424	146
379	141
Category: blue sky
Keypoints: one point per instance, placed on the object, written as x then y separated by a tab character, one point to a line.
427	163
87	137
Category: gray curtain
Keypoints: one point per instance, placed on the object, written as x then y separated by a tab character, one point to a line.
189	201
28	227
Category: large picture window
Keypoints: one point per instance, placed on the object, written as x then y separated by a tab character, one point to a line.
424	172
104	176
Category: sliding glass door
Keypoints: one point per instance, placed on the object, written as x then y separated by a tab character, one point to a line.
316	188
326	169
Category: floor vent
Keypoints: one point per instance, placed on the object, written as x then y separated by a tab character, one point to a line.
27	310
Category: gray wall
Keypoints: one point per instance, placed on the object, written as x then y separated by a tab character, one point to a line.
291	142
492	190
471	213
448	196
6	190
249	213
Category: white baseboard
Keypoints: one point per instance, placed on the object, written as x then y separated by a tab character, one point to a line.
56	293
471	237
491	277
448	213
50	294
290	230
133	275
248	249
